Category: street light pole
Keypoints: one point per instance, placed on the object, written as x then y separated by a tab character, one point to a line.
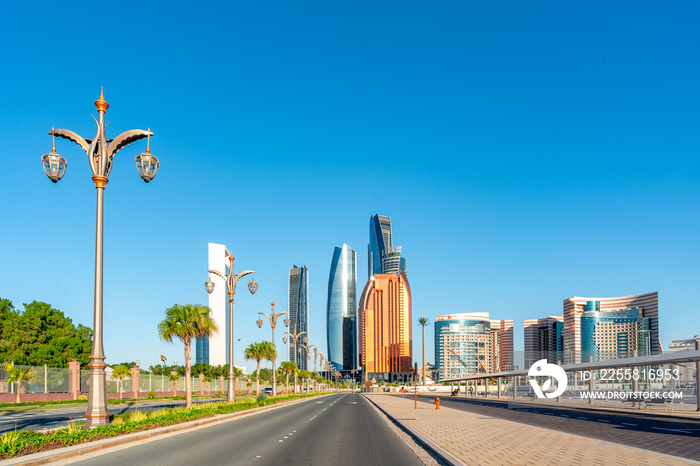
231	279
100	152
273	323
293	337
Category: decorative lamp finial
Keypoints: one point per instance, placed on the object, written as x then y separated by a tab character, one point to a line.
101	103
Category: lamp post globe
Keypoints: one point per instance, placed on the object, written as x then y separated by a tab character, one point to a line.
209	286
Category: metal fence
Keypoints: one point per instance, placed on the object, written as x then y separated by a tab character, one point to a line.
43	379
57	380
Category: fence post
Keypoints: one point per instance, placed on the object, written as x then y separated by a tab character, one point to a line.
201	383
135	380
74	377
46	376
221	383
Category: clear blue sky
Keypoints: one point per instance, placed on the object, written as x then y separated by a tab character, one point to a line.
525	152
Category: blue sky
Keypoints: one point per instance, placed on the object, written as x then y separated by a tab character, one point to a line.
525	152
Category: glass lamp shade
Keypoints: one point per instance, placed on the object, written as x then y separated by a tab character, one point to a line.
54	165
209	286
287	322
252	286
299	349
284	340
147	165
259	322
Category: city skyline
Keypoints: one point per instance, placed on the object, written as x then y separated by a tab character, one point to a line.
524	156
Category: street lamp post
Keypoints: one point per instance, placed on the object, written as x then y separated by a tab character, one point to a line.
273	323
100	152
231	279
293	337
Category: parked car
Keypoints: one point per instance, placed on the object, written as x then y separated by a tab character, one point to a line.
267	390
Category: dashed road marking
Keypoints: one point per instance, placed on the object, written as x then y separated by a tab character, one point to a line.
628	424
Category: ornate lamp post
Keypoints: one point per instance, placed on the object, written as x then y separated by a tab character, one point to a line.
273	323
293	337
231	279
100	152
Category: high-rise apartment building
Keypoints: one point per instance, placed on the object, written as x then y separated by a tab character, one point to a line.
471	343
341	310
385	330
299	313
544	339
382	255
611	328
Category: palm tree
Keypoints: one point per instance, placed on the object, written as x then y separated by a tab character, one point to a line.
260	351
19	375
304	374
423	321
288	368
174	378
186	322
119	372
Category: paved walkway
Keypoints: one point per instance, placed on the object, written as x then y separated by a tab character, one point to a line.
474	439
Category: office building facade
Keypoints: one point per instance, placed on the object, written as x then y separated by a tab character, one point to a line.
341	310
385	330
544	339
471	343
299	313
610	328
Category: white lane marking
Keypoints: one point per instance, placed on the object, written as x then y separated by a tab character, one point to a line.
602	420
281	441
672	430
286	437
628	424
294	431
258	456
564	415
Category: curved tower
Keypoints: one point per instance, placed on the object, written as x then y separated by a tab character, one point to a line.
340	309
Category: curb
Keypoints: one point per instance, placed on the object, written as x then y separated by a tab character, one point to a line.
90	447
420	438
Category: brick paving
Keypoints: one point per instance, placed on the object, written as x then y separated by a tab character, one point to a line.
477	439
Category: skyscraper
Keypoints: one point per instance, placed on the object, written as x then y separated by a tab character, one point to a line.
341	312
386	338
382	256
611	328
298	312
213	350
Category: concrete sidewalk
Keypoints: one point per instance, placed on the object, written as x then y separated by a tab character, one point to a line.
467	438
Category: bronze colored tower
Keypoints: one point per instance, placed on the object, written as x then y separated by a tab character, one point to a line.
385	330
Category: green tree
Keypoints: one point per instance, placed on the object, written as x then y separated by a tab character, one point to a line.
423	321
260	351
120	372
19	375
288	368
186	322
266	374
174	378
41	335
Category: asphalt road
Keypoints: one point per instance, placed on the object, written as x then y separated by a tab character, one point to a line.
677	437
56	418
338	429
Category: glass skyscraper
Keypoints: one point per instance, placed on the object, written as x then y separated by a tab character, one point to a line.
382	256
299	312
341	315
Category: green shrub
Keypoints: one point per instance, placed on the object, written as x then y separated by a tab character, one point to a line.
82	398
152	394
262	397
